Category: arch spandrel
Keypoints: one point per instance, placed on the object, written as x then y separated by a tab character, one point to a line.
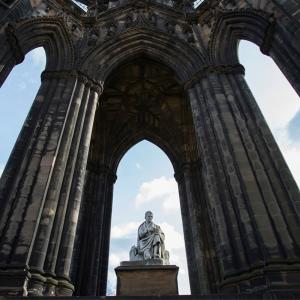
172	147
142	99
231	27
131	141
261	27
178	55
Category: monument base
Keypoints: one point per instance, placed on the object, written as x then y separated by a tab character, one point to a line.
138	279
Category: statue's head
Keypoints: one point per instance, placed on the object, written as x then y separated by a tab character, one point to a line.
148	216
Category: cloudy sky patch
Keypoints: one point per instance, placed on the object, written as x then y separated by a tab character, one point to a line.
163	190
38	57
174	239
294	128
124	230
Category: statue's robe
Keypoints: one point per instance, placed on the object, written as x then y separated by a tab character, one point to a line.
148	236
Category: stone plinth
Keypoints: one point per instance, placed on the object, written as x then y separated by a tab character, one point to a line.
138	279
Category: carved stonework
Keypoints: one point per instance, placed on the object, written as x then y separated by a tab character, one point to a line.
269	35
221	69
14	44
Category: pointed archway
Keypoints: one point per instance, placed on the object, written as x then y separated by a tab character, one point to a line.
146	182
141	100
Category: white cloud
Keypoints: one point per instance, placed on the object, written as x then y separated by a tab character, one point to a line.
284	104
178	258
114	261
38	56
175	245
111	285
116	257
182	272
174	239
138	166
163	190
124	230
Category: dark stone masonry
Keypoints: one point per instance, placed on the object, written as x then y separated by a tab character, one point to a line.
161	70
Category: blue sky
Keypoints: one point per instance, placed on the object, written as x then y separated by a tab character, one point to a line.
145	175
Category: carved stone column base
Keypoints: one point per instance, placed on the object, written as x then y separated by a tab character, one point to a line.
145	280
36	284
64	288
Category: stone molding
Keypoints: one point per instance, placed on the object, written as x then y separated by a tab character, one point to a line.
188	166
40	279
268	37
64	282
14	44
108	29
52	33
64	74
103	170
220	69
225	30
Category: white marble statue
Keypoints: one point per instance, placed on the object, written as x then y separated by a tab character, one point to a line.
150	243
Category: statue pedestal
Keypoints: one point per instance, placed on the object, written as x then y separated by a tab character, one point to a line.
138	279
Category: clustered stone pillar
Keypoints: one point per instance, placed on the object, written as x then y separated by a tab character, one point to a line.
252	198
41	187
94	231
192	204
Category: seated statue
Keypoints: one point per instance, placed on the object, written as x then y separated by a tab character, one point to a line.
150	242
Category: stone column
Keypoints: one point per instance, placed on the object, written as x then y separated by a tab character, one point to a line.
95	232
58	135
196	231
70	171
66	249
251	195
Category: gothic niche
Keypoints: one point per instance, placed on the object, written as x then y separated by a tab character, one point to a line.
141	100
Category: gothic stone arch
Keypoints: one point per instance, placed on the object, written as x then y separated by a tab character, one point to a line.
141	100
21	37
262	28
166	72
